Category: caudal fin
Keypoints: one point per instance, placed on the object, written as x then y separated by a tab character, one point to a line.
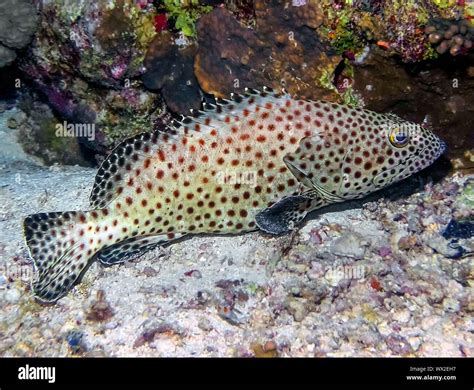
61	246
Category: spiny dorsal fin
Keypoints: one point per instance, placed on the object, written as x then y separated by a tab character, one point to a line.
213	115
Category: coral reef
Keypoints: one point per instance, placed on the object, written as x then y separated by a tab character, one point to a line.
116	64
454	36
398	26
18	23
171	69
38	135
275	53
185	13
86	60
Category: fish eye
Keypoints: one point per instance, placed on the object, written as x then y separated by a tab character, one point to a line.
398	138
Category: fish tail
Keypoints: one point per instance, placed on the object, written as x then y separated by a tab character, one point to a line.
62	245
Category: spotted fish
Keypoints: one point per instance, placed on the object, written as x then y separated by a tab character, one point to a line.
255	161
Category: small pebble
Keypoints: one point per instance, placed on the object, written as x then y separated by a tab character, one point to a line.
150	272
193	274
451	305
12	123
100	310
297	309
205	324
12	296
350	245
402	316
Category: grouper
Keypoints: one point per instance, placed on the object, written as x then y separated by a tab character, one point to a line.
261	160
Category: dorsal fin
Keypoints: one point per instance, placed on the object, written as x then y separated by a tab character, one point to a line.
216	112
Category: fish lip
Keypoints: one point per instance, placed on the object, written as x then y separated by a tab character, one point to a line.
443	147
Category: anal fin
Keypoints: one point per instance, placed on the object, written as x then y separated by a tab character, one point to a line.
130	248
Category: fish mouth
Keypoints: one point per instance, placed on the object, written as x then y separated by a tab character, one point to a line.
442	148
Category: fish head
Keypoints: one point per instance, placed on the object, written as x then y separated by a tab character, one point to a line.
407	148
354	162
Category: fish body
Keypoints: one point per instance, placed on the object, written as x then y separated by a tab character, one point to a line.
260	161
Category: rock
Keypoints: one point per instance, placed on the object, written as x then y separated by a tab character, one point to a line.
406	243
451	305
37	135
414	342
193	274
18	23
100	310
205	324
75	340
459	229
153	329
432	84
3	281
6	343
446	247
97	353
88	72
232	57
12	296
402	316
171	70
297	309
269	349
350	244
12	123
150	272
398	345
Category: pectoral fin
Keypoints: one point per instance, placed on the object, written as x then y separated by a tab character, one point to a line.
315	167
284	215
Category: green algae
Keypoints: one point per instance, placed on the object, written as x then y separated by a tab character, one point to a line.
185	14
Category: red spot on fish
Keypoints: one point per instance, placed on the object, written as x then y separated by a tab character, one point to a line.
161	155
